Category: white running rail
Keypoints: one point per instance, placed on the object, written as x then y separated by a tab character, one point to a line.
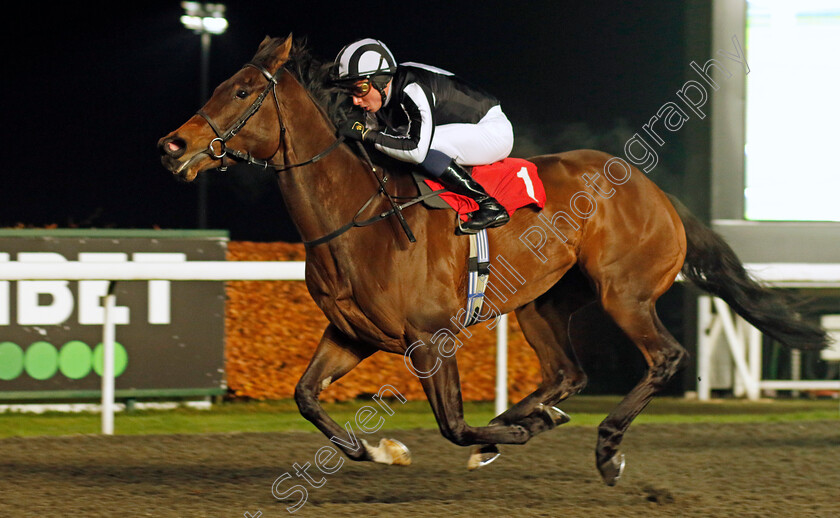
186	271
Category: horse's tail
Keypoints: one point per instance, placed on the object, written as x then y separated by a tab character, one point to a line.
711	264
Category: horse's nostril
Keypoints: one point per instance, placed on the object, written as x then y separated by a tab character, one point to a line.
173	147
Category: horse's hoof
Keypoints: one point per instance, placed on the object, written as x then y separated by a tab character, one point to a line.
482	455
612	469
389	451
551	416
558	416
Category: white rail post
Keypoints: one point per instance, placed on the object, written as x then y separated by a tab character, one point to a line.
739	385
754	341
736	347
501	364
795	368
704	347
108	336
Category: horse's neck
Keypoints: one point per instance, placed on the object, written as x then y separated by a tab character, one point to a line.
323	196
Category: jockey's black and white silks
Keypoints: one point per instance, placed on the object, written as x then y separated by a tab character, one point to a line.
430	108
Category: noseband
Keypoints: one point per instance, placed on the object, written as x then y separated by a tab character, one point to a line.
238	124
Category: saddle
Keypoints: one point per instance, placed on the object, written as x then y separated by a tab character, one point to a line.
432	202
513	182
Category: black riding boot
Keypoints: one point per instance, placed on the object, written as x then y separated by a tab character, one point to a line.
490	212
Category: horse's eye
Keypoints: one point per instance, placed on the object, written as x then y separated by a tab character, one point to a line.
242	94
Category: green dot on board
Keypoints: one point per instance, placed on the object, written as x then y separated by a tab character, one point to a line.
120	359
74	360
11	361
41	360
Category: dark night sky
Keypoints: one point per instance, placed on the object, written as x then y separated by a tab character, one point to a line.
90	92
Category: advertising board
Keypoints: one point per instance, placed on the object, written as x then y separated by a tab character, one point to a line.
170	335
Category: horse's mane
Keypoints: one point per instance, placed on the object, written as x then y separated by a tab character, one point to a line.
312	73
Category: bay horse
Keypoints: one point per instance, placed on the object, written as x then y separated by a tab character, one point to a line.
382	292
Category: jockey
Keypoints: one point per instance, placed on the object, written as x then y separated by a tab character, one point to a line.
426	116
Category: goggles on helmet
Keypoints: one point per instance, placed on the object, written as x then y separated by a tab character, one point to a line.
361	87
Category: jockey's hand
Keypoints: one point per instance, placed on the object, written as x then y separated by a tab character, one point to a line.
354	129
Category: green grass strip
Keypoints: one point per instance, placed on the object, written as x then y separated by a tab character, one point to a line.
282	416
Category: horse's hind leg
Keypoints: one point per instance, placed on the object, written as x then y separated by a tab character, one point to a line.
545	324
438	374
638	319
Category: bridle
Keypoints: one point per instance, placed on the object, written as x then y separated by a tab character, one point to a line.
223	137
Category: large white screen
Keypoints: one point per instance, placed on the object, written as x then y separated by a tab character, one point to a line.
792	150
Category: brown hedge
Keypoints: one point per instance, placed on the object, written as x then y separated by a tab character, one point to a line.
273	327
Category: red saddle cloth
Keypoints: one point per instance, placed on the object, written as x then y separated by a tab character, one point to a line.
512	181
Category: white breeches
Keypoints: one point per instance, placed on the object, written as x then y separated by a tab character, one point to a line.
488	141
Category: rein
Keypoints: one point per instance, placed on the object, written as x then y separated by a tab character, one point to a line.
379	217
223	137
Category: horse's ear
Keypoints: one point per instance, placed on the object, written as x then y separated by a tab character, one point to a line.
286	47
265	42
281	51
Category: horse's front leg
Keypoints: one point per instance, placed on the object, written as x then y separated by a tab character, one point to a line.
439	376
335	356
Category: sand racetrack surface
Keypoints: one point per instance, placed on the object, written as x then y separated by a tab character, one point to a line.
778	469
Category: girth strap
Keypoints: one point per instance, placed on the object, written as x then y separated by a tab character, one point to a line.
479	271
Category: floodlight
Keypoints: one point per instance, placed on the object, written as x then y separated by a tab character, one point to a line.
204	18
